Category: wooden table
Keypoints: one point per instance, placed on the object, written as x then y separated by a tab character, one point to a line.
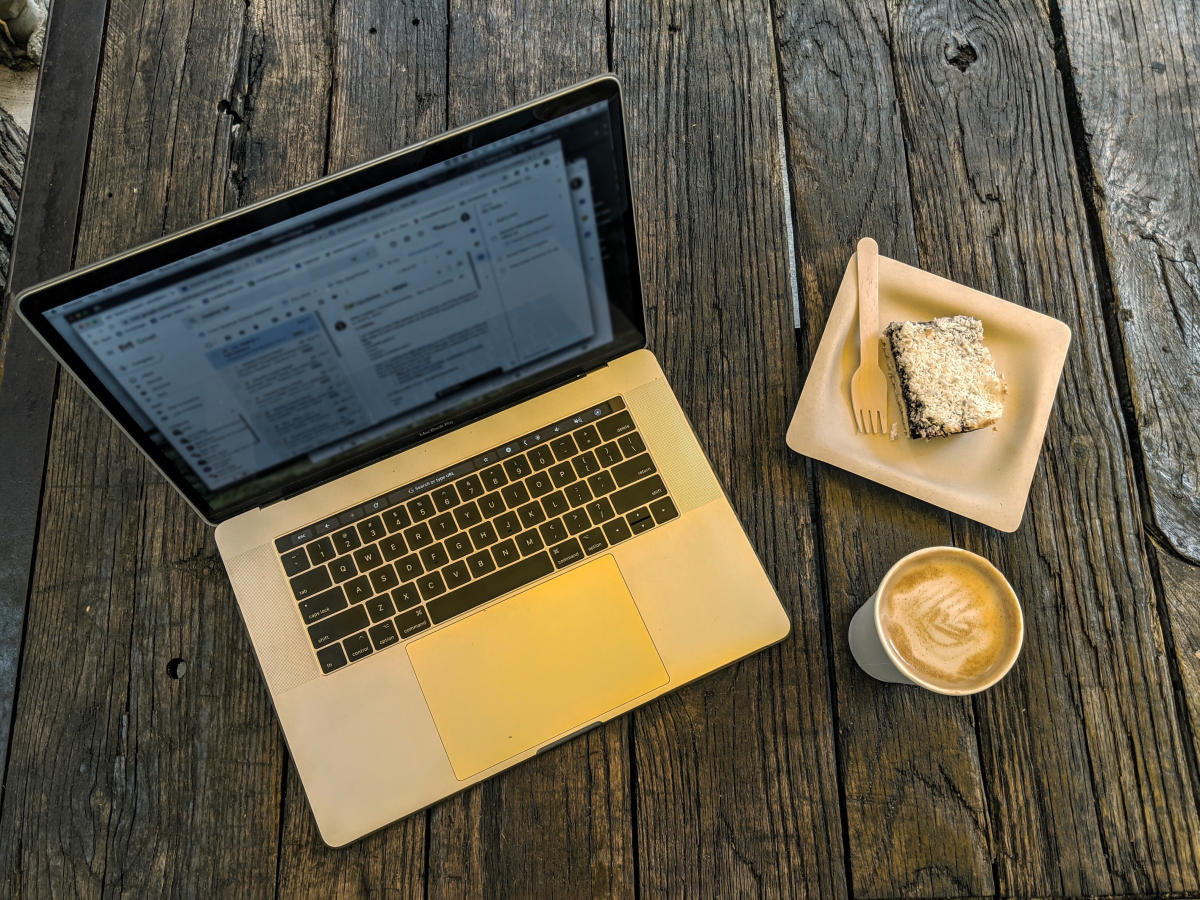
1046	153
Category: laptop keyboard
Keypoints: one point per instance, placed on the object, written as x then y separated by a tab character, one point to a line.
381	572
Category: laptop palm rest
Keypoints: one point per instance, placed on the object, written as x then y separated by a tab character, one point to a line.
535	666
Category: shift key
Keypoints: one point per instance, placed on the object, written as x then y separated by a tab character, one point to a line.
638	494
337	627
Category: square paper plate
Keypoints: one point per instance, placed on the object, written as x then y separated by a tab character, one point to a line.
985	474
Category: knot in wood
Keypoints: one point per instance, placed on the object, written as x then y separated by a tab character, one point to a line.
960	53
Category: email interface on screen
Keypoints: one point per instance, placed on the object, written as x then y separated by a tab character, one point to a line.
383	312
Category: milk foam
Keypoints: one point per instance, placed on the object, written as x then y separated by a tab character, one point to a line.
952	622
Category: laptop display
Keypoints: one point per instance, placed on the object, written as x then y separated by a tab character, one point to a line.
337	326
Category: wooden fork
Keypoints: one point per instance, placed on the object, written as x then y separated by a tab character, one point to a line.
868	387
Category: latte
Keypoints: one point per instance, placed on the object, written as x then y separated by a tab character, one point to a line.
951	619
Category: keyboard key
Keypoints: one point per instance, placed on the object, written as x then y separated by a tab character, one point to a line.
483	535
392	546
359	589
514	494
638	494
311	582
608	454
531	514
421	508
295	539
295	561
587	437
409	623
566	553
493	504
564	447
506	552
367	558
616	531
470	487
593	541
577	493
539	484
346	540
409	567
434	557
615	426
418	536
640	520
327	526
431	585
663	510
459	546
517	467
456	575
562	474
632	444
321	551
540	457
378	505
331	658
481	590
383	635
493	478
405	596
602	483
337	627
530	542
576	521
358	646
600	510
553	531
342	568
324	604
396	518
380	608
468	514
507	525
371	529
445	497
443	526
481	563
555	504
383	579
633	469
585	464
351	515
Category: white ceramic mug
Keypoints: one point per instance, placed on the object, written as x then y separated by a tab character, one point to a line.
874	654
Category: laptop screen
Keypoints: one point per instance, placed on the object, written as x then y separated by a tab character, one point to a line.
370	311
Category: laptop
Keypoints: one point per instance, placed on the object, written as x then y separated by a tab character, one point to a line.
463	515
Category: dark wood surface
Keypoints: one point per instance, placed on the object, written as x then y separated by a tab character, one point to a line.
1047	154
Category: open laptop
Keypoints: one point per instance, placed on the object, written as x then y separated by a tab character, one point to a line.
463	514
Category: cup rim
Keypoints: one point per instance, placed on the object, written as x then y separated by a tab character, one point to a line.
904	668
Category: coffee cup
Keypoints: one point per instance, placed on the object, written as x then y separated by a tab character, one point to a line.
944	619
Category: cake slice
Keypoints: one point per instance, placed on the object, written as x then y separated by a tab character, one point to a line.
943	375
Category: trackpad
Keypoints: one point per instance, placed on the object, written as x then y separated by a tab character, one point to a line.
536	666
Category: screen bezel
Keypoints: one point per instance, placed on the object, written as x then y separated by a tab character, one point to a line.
34	303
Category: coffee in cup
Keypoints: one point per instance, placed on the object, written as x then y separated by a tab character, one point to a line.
943	618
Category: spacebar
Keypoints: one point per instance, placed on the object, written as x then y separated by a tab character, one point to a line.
489	587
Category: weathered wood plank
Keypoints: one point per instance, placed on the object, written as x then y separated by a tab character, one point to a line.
916	815
560	824
1181	595
736	790
42	247
1083	754
146	759
1136	76
388	89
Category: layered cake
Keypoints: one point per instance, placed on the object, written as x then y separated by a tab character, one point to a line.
944	378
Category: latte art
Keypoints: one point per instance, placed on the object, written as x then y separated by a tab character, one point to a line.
953	622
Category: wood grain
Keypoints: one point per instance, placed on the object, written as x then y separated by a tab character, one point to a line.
1083	755
1136	79
735	789
917	819
145	754
1181	595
